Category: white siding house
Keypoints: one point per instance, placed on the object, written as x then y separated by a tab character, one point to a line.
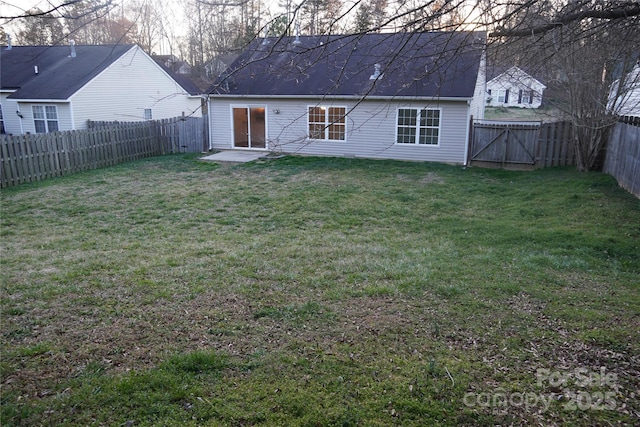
627	101
351	104
370	129
514	88
50	88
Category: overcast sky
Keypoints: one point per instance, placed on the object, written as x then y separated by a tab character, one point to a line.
175	17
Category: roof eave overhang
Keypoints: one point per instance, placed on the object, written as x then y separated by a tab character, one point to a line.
346	97
40	101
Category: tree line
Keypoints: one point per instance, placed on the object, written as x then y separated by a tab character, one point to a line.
583	50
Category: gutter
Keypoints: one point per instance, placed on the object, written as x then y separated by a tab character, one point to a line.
346	97
40	101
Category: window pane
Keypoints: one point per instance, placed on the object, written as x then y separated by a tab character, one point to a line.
52	113
406	135
316	115
429	123
428	136
316	131
53	125
407	117
317	122
407	120
38	112
336	132
337	115
40	126
337	121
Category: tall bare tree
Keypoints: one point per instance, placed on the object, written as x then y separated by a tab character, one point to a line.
149	27
584	47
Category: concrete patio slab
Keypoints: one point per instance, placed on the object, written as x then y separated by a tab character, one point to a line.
235	156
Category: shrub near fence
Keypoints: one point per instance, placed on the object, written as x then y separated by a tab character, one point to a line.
34	157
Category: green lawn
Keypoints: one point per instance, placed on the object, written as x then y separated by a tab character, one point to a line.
545	114
320	291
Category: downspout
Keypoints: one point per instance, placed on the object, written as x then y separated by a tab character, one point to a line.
207	102
468	134
20	117
73	117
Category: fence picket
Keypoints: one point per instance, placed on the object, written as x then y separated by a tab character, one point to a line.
623	154
33	157
521	145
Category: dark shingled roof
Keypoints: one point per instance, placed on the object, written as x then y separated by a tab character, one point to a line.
431	64
59	75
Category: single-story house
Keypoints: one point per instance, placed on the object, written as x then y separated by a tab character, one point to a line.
514	88
407	96
51	88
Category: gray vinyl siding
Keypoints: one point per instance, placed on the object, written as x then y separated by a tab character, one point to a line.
126	88
63	110
10	118
370	129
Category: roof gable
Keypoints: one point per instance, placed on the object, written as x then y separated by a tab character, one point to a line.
59	75
433	64
517	75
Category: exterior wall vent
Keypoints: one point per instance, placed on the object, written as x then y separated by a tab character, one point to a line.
297	40
376	72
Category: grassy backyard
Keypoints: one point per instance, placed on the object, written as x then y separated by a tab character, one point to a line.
320	291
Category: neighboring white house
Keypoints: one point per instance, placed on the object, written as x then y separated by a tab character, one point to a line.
406	96
627	102
514	88
51	88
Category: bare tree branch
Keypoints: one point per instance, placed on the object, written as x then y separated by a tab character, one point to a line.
628	10
37	13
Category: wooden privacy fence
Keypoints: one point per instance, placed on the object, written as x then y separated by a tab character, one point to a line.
623	155
521	145
34	157
183	134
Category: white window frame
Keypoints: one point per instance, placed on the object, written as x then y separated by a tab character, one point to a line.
328	126
148	114
502	95
418	127
47	114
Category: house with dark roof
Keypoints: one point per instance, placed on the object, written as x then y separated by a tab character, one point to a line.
407	96
51	88
513	87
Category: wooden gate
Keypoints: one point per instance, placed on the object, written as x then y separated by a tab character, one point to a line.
506	143
521	145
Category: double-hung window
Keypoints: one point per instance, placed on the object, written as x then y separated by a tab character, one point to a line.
526	97
418	126
327	123
503	96
45	118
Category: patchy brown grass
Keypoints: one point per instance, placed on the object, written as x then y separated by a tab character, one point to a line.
308	291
